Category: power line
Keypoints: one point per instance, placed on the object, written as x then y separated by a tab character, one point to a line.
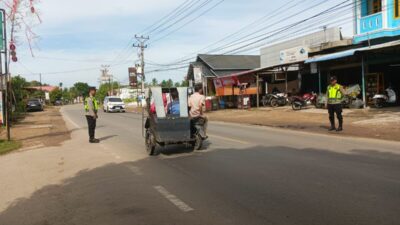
281	30
188	22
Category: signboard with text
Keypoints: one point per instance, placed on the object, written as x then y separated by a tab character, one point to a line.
133	81
197	75
293	55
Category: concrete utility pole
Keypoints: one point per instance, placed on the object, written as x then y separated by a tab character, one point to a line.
105	77
141	40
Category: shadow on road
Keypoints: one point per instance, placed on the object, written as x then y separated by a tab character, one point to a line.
261	185
107	137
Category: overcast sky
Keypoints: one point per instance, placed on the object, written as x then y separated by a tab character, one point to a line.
77	37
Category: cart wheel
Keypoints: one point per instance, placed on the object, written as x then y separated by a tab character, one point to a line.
150	144
198	143
296	105
274	103
379	103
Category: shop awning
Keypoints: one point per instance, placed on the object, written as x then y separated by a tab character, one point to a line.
337	55
350	52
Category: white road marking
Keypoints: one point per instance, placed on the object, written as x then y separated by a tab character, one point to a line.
228	139
69	119
173	199
135	170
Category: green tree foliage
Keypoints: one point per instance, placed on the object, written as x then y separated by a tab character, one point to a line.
163	83
104	90
170	83
20	94
34	83
154	82
56	94
177	84
185	83
81	89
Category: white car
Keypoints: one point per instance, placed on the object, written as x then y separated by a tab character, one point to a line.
113	104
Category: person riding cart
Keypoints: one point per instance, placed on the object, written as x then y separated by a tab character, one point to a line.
168	121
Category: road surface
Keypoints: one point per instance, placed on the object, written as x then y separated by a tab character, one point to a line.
247	175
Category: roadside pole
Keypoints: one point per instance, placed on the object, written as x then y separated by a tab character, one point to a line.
258	91
363	81
6	74
141	46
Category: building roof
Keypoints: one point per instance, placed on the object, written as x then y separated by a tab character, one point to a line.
230	62
43	88
350	52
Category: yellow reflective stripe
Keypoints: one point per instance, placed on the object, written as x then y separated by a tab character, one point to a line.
334	92
95	104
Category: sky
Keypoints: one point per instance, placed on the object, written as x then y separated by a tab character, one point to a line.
76	37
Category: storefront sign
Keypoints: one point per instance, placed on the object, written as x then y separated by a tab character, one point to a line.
197	75
314	68
293	55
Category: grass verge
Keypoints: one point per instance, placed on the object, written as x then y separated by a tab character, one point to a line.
8	146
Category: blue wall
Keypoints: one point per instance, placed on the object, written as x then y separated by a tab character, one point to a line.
392	21
373	24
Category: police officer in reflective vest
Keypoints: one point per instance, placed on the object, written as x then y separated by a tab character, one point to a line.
91	108
335	94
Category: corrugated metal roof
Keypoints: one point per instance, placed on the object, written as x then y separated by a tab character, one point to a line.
351	52
231	62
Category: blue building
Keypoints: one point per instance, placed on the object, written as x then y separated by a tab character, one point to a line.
376	19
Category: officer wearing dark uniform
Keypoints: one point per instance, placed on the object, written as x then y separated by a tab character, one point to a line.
334	96
91	108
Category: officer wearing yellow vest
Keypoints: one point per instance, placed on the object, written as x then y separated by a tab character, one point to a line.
334	95
91	108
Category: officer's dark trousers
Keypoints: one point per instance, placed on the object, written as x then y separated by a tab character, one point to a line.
91	126
338	109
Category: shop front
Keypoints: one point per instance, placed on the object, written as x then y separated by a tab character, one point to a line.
374	69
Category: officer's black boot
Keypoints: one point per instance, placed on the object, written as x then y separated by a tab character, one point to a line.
340	128
333	127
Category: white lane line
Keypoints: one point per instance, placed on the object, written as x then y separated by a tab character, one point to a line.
69	119
173	199
228	139
135	170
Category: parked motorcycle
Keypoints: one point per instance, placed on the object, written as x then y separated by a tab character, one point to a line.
274	100
388	98
300	102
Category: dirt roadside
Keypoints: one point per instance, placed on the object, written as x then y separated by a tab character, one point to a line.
41	129
370	123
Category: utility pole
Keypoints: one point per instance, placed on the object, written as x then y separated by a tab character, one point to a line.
106	77
41	89
141	40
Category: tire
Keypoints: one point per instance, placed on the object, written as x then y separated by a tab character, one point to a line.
296	105
150	143
274	103
264	103
379	103
198	143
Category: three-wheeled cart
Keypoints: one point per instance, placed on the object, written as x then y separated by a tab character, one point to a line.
162	128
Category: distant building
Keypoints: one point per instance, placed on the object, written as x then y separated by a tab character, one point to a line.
46	89
376	20
208	67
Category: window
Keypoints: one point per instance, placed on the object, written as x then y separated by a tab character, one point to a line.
396	8
374	6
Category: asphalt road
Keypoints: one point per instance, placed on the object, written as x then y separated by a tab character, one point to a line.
246	175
